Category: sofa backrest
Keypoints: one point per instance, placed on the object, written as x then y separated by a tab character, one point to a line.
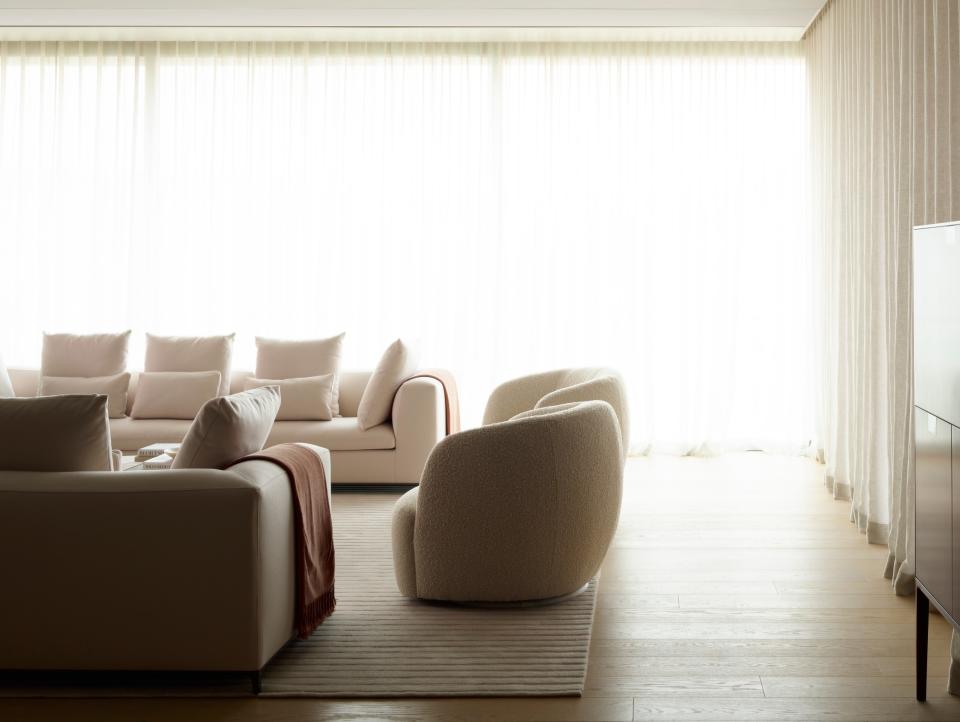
352	383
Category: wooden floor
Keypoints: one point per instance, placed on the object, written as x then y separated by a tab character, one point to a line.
736	589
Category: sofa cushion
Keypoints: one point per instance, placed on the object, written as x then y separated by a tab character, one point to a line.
397	363
191	353
228	428
55	433
132	434
281	359
99	354
307	399
173	394
6	385
114	387
340	434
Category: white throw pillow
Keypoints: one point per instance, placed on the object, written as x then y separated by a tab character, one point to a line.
55	433
279	359
93	355
228	428
6	385
397	363
307	399
173	394
191	353
114	387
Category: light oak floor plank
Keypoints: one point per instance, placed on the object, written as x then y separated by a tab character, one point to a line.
736	589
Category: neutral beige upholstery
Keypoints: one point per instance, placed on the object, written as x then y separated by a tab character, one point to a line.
114	387
97	354
340	434
292	359
55	433
519	510
173	394
559	387
306	399
191	353
397	363
391	453
160	570
228	428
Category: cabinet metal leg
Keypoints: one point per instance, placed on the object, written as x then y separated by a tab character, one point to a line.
923	624
256	681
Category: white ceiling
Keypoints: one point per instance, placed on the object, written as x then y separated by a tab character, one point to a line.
672	19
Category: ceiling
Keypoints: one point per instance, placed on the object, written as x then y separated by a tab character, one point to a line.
548	19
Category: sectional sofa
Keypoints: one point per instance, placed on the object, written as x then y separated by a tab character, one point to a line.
391	453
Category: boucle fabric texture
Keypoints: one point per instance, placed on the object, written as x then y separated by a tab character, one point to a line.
558	387
513	511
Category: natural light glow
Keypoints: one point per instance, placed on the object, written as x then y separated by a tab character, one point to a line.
511	207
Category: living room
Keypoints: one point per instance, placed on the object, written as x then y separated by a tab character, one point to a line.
502	361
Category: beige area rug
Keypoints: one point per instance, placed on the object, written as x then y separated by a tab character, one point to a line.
380	644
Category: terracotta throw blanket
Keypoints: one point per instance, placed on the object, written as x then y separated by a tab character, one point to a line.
313	533
451	397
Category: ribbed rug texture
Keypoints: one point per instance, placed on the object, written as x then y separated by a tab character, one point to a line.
380	644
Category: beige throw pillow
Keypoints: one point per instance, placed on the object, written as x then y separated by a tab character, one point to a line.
6	385
308	399
94	355
173	394
191	353
228	428
55	433
115	388
397	363
278	359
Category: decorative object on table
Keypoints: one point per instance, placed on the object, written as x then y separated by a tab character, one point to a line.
157	449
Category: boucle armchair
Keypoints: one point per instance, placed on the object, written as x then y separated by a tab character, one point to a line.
513	511
560	387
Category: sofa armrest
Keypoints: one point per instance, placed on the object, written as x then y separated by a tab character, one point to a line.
181	569
419	422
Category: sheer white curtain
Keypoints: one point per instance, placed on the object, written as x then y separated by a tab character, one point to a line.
514	207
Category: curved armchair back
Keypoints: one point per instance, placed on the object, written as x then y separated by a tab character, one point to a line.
519	510
560	387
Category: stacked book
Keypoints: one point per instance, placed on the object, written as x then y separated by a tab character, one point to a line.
157	456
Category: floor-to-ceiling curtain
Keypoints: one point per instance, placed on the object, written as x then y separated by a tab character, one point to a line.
511	207
885	107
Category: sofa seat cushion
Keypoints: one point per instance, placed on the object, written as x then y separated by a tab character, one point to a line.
342	433
133	434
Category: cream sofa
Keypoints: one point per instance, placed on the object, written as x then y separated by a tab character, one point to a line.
391	453
519	510
166	570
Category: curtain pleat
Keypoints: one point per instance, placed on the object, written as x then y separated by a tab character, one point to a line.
884	89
